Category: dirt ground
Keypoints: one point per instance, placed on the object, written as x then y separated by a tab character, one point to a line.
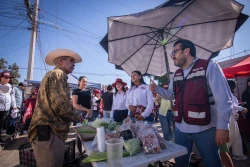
9	156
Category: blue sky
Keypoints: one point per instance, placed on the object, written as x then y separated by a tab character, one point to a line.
83	24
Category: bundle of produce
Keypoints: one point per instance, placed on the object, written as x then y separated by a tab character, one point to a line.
100	122
100	156
132	146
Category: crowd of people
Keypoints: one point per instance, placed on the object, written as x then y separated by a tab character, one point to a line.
197	105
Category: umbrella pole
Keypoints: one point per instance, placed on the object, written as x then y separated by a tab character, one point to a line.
166	57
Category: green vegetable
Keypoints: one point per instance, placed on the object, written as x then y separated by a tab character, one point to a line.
100	156
132	146
112	126
86	131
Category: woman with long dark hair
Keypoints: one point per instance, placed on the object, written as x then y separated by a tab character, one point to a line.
139	98
81	97
82	102
234	133
119	110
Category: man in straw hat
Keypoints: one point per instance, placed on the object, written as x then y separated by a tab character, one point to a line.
53	114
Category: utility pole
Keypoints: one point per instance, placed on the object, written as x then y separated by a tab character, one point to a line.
33	18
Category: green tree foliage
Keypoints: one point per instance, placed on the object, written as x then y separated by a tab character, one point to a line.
13	69
3	64
162	79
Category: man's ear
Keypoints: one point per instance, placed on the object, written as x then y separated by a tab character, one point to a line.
187	51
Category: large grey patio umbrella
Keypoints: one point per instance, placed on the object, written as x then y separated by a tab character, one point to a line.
144	41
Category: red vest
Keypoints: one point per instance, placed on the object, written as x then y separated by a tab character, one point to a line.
191	95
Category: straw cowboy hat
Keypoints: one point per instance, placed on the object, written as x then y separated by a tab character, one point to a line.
119	80
50	58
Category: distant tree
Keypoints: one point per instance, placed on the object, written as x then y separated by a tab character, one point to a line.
14	72
13	69
3	64
162	79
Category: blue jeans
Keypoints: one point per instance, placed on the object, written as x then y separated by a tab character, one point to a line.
106	114
205	142
167	125
95	115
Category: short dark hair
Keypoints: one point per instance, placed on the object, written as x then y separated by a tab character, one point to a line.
109	87
186	44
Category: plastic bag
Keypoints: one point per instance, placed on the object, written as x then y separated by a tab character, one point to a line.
132	146
149	140
160	139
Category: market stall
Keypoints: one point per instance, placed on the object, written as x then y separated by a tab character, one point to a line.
151	146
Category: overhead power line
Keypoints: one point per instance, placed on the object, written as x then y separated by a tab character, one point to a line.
73	25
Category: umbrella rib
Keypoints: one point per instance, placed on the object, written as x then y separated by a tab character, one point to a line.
129	36
134	25
194	44
151	56
153	39
171	34
156	33
178	14
204	23
136	51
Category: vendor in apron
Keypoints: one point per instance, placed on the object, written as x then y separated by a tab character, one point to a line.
140	99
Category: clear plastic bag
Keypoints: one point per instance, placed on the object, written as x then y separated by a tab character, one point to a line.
160	139
132	146
149	140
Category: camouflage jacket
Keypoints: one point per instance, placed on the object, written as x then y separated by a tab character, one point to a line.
53	105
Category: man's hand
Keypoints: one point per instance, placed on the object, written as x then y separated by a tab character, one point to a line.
244	111
80	119
221	136
139	117
152	86
132	108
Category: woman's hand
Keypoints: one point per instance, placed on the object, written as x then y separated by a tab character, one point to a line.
132	108
139	117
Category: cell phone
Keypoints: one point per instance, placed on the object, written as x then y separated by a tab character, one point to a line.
43	132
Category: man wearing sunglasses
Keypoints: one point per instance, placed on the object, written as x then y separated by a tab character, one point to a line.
202	104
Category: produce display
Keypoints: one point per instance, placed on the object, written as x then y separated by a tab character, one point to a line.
132	146
100	122
100	156
86	131
140	134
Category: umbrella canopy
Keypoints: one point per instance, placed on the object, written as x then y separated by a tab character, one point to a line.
241	69
144	41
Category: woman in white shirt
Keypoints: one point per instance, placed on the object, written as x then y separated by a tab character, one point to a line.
234	134
139	98
119	111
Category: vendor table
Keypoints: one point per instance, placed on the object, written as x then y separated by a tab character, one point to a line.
141	160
